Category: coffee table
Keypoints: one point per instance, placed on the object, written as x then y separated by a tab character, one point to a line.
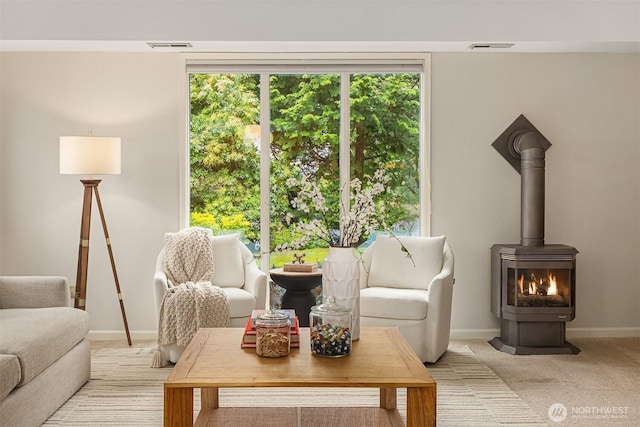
381	359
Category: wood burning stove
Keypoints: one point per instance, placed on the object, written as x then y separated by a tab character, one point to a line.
532	284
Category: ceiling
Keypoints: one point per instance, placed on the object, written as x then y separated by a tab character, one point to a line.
320	25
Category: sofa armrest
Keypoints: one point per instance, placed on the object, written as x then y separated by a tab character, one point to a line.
34	292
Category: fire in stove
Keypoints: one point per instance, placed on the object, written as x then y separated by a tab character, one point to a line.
543	286
539	289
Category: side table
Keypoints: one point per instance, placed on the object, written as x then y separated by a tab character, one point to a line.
298	287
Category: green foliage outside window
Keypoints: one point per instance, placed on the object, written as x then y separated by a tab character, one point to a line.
220	225
304	129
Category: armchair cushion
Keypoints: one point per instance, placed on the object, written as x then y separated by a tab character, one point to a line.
242	303
392	268
391	303
229	272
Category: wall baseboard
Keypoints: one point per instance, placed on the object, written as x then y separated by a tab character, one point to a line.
572	333
456	334
603	332
474	334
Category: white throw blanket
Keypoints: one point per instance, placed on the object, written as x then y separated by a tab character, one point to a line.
188	307
188	256
191	302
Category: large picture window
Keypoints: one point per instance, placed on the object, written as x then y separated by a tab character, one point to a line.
258	131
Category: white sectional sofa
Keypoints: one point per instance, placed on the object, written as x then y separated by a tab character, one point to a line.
44	351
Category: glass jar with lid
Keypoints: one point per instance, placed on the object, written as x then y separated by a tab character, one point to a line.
273	335
330	327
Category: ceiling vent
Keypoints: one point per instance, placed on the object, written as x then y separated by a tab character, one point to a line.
490	45
172	45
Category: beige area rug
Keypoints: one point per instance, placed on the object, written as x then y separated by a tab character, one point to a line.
125	391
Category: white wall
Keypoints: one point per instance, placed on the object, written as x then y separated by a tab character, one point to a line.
135	97
587	105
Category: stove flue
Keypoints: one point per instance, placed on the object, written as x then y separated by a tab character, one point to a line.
532	284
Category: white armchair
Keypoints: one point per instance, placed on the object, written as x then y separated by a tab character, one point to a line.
236	272
416	299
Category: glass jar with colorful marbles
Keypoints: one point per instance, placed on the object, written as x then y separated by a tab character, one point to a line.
330	328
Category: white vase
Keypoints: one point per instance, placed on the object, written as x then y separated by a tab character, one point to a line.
341	279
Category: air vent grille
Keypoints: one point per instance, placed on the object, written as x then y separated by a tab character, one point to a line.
171	45
490	45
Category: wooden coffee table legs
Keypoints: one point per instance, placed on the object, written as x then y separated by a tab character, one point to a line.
209	398
388	398
178	406
421	406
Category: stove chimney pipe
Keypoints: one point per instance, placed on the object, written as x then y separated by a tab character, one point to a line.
532	187
524	147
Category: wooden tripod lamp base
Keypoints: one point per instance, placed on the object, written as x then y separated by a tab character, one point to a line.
91	155
90	187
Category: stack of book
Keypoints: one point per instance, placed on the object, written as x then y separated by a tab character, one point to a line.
249	335
301	268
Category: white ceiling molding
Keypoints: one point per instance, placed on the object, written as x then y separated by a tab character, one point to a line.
312	47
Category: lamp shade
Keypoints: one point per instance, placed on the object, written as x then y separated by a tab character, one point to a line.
89	155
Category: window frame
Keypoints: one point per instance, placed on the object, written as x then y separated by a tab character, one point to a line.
307	63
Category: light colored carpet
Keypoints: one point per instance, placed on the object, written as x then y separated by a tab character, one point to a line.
125	391
599	387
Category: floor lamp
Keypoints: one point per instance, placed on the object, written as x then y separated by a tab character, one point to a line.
89	155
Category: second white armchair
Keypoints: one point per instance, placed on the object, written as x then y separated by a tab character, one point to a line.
412	293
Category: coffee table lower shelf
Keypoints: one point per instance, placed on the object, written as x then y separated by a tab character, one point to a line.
300	416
